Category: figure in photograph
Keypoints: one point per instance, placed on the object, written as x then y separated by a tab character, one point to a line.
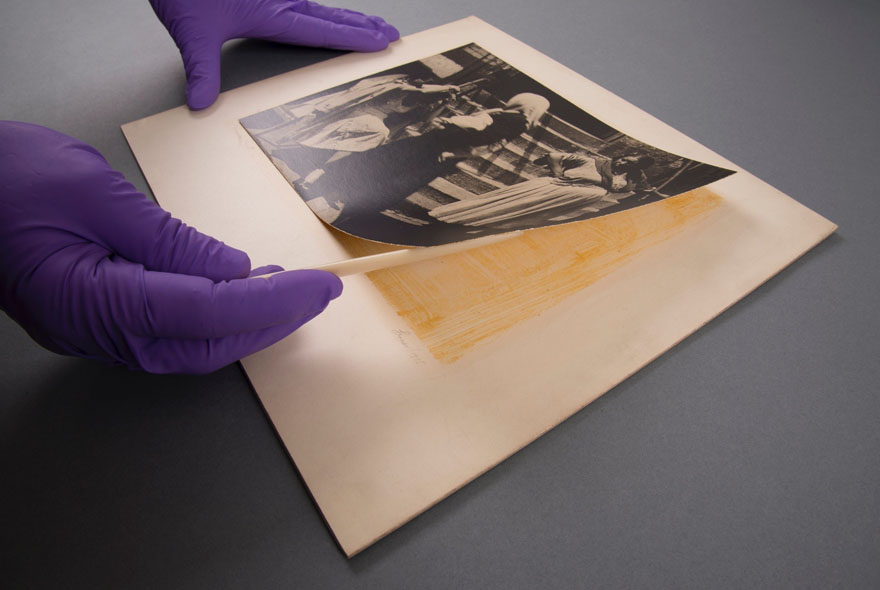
312	144
364	91
365	183
577	181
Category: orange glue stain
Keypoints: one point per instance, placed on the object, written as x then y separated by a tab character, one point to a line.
456	302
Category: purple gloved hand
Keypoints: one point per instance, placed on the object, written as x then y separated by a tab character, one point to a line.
200	27
91	267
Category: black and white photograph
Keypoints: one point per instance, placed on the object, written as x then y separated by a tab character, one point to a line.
460	145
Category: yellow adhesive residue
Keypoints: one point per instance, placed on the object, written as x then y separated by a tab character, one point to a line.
455	302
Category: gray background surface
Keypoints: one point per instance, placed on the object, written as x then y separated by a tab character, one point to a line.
747	456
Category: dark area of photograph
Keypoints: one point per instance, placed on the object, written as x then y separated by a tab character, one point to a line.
457	146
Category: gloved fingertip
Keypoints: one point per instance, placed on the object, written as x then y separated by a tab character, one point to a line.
370	40
199	97
321	280
328	280
202	88
201	61
390	32
310	290
335	286
235	263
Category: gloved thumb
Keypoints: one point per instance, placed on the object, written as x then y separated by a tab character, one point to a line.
201	61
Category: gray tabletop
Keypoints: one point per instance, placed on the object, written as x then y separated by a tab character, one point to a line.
747	456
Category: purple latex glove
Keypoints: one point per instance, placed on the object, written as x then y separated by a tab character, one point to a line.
91	267
200	27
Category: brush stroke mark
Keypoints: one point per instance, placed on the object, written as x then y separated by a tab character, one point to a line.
458	301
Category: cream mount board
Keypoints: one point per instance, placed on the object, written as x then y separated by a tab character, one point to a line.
418	380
